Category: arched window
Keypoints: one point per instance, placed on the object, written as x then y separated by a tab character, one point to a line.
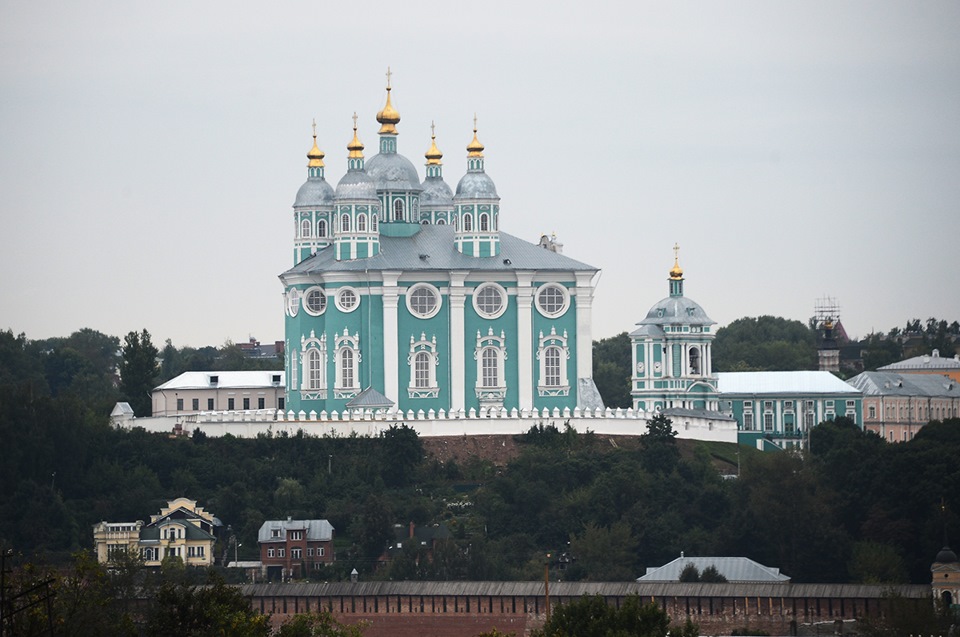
490	367
346	368
424	222
305	228
322	228
441	222
551	364
345	223
467	223
314	370
694	360
398	210
361	223
421	370
374	220
484	222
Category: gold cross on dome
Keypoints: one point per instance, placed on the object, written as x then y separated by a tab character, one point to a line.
388	76
433	132
676	251
474	122
314	128
354	120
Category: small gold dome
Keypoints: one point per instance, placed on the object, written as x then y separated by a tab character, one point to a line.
475	148
355	146
388	117
315	155
676	272
433	154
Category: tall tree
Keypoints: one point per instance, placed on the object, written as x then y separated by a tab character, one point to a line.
765	343
611	370
138	371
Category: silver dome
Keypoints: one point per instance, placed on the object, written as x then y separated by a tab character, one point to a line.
356	184
677	310
476	185
436	193
393	172
315	191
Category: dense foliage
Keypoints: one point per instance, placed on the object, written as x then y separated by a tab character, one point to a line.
765	343
592	616
857	509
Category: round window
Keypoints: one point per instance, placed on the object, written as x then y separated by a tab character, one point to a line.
490	300
347	299
315	301
552	299
423	300
293	301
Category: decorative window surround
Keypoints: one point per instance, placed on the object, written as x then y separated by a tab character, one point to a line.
313	356
347	299
423	352
485	298
552	347
293	302
552	299
314	301
347	357
490	353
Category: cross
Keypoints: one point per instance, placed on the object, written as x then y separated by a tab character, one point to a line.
676	252
474	122
433	133
354	120
314	128
388	77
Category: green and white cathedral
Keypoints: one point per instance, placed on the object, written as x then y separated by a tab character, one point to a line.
406	290
672	354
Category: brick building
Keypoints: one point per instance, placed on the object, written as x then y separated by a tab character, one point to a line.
294	548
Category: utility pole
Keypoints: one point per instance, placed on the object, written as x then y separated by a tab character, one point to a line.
546	588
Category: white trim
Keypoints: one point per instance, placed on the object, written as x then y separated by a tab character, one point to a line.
423	286
427	348
339	300
491	395
342	343
306	295
566	299
504	300
558	342
524	302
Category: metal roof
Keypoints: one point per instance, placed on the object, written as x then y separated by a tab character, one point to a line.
579	589
931	361
225	380
696	413
803	382
894	384
316	529
735	569
432	248
370	398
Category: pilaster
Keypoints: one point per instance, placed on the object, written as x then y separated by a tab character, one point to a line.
458	381
584	324
525	354
391	360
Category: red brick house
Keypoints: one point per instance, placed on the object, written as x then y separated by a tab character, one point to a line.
292	549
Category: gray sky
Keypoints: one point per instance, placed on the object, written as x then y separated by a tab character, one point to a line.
150	152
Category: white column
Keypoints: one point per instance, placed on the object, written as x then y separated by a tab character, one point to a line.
457	359
391	361
525	339
584	324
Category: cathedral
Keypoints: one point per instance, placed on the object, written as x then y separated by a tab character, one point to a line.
406	294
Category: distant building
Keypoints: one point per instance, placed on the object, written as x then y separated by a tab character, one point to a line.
295	548
734	569
181	529
777	409
927	364
268	351
897	405
199	392
422	537
945	576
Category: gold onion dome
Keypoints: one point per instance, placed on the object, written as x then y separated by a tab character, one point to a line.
475	148
355	146
388	116
433	154
676	272
315	155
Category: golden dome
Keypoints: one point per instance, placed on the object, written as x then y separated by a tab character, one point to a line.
388	117
475	148
355	146
315	155
676	272
433	154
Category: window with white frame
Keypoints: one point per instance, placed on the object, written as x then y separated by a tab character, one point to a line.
490	300
271	552
423	300
422	361
374	222
484	222
347	299
768	421
348	365
322	228
552	299
313	354
281	552
398	210
467	222
344	222
293	302
296	553
694	357
361	222
321	551
305	228
415	206
748	421
553	353
309	551
872	412
490	354
314	301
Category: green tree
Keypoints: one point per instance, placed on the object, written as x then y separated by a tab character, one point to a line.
711	575
611	370
138	371
320	624
199	611
659	445
690	573
608	554
591	616
764	343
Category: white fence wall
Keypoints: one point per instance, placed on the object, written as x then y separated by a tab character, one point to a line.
250	424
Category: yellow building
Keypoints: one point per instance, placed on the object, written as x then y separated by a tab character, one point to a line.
181	529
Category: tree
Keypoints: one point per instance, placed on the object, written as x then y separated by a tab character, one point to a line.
606	554
611	370
591	616
764	343
320	624
711	575
216	608
690	573
138	371
659	445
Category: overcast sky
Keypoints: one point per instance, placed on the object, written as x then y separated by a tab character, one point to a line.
150	152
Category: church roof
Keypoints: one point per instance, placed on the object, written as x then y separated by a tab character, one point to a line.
735	569
393	172
370	398
432	248
436	193
675	310
315	191
476	185
802	382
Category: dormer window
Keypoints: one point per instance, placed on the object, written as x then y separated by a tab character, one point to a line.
274	532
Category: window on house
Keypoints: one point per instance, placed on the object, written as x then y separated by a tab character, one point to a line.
398	210
305	228
179	404
748	421
281	402
281	552
421	370
195	403
209	404
246	403
484	222
768	405
321	551
296	553
361	223
872	412
768	421
467	223
345	223
274	532
309	551
551	360
788	405
261	402
490	366
346	368
271	553
230	404
314	369
322	228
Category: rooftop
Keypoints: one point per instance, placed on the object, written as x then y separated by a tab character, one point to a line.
895	384
927	362
224	380
802	382
735	569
